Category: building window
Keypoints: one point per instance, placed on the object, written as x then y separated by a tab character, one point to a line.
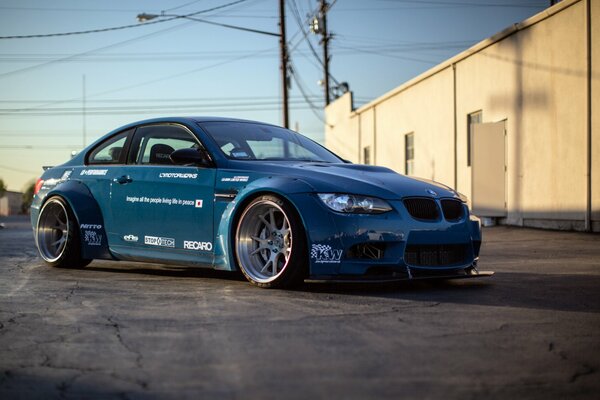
409	153
472	119
367	155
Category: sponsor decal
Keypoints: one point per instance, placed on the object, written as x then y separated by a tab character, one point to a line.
240	154
236	178
66	175
92	238
90	226
177	175
159	200
324	254
193	245
100	172
130	238
199	203
159	241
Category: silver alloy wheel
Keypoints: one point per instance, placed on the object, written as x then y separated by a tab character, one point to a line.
264	241
53	230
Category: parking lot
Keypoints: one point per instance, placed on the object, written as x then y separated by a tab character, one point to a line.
127	330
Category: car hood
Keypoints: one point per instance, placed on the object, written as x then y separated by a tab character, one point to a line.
358	179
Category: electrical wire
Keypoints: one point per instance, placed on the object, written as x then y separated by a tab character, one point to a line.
115	28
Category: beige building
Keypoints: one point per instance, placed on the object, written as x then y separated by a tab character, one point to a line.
10	203
513	122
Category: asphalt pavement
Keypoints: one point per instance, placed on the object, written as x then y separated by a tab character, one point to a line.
128	330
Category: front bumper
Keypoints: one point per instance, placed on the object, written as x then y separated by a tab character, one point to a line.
395	241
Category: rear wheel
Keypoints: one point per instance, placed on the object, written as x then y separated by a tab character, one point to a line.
270	244
57	235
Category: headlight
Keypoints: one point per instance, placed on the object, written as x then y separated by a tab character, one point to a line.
351	203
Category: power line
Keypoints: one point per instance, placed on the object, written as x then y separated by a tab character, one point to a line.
110	46
115	28
468	4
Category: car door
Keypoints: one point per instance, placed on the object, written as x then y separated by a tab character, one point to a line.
162	211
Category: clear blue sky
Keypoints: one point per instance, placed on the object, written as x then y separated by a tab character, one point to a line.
190	68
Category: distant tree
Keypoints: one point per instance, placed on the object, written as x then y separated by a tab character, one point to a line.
27	198
2	188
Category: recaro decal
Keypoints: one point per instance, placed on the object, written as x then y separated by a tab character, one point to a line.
193	245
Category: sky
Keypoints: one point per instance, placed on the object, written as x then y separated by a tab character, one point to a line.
59	92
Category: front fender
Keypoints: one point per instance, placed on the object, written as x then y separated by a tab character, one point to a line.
225	224
94	243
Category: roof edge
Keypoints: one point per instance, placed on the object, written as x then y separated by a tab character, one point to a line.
512	29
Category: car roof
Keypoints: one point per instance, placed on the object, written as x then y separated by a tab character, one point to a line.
196	119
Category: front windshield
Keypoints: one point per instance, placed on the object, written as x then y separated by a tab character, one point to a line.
253	141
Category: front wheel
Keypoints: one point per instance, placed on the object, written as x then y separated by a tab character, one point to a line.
270	244
57	235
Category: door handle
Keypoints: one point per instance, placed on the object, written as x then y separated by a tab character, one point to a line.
122	180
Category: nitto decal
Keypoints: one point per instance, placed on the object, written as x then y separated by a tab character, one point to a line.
92	238
101	172
193	245
324	254
159	241
130	238
235	179
177	175
198	203
90	226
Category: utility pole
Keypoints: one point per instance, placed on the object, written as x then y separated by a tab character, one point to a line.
284	62
84	128
325	42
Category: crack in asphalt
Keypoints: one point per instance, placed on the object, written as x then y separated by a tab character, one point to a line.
71	291
583	370
484	332
138	355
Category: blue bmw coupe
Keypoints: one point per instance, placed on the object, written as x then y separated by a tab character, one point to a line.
242	195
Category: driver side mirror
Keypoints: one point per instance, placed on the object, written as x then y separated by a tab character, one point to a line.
190	157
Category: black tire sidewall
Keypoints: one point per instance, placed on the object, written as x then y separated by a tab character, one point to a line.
71	255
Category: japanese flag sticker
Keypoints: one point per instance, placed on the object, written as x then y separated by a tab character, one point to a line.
198	203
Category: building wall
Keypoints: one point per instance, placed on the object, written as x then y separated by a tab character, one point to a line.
534	77
10	203
595	114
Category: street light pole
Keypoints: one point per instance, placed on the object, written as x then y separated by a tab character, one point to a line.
324	9
143	17
284	60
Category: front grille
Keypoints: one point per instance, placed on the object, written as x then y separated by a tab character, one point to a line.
435	255
453	209
422	208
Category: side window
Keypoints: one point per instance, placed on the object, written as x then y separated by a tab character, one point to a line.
154	144
111	151
472	119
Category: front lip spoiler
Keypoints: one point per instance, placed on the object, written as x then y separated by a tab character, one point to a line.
388	279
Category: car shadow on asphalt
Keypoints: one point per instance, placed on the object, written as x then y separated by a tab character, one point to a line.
558	292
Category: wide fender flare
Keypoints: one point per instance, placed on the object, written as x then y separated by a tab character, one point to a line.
281	186
90	222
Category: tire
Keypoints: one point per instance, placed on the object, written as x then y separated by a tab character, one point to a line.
57	235
270	244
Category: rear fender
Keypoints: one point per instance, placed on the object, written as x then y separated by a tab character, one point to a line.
94	243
